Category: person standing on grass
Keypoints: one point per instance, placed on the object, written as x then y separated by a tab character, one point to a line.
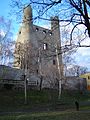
77	105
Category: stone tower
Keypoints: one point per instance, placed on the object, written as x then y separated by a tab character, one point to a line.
36	46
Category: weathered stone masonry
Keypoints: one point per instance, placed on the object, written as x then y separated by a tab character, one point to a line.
36	46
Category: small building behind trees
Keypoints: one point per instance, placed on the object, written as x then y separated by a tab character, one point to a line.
87	77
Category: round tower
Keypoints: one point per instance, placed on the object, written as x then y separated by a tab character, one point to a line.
56	30
27	14
55	27
54	23
24	38
27	24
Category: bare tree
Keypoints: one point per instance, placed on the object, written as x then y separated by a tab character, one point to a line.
76	70
67	61
74	12
26	57
6	41
51	76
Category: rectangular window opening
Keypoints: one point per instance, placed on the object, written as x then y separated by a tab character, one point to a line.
54	62
45	46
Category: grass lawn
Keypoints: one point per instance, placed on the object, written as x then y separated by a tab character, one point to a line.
68	115
45	100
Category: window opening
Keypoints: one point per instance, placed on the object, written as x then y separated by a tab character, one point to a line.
44	31
45	46
50	33
37	71
37	29
54	62
19	32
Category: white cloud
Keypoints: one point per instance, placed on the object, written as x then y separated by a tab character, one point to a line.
47	26
82	57
83	51
15	37
2	33
86	41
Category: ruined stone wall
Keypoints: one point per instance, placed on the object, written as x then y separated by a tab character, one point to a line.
36	46
74	83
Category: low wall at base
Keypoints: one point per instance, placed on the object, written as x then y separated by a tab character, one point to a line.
74	83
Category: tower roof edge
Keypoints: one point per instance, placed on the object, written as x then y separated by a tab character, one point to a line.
27	9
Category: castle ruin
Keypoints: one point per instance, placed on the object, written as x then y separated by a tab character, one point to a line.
38	50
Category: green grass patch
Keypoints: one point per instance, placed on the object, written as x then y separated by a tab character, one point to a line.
45	100
68	115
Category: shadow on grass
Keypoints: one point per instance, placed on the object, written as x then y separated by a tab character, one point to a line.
45	100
